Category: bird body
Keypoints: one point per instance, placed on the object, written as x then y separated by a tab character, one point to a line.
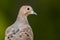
21	29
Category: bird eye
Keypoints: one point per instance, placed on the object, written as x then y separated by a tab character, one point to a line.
28	8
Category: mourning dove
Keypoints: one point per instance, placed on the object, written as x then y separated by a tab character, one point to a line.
21	30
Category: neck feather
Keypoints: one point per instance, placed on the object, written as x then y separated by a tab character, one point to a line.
22	19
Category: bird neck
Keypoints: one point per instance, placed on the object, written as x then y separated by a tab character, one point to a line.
22	19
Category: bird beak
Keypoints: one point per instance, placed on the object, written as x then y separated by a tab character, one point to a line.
32	12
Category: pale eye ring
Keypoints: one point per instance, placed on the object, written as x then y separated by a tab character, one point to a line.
28	8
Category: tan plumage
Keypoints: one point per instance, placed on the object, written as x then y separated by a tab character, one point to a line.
21	29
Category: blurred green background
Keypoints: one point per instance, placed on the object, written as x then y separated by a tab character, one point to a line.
46	25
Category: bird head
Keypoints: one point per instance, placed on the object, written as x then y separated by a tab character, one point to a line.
26	10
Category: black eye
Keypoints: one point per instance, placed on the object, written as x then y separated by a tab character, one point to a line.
28	8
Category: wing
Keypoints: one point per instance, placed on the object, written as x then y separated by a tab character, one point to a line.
22	33
10	32
26	33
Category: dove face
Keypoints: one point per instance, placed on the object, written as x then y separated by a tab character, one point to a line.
27	10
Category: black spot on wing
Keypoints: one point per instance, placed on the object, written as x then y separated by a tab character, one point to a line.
10	36
27	34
